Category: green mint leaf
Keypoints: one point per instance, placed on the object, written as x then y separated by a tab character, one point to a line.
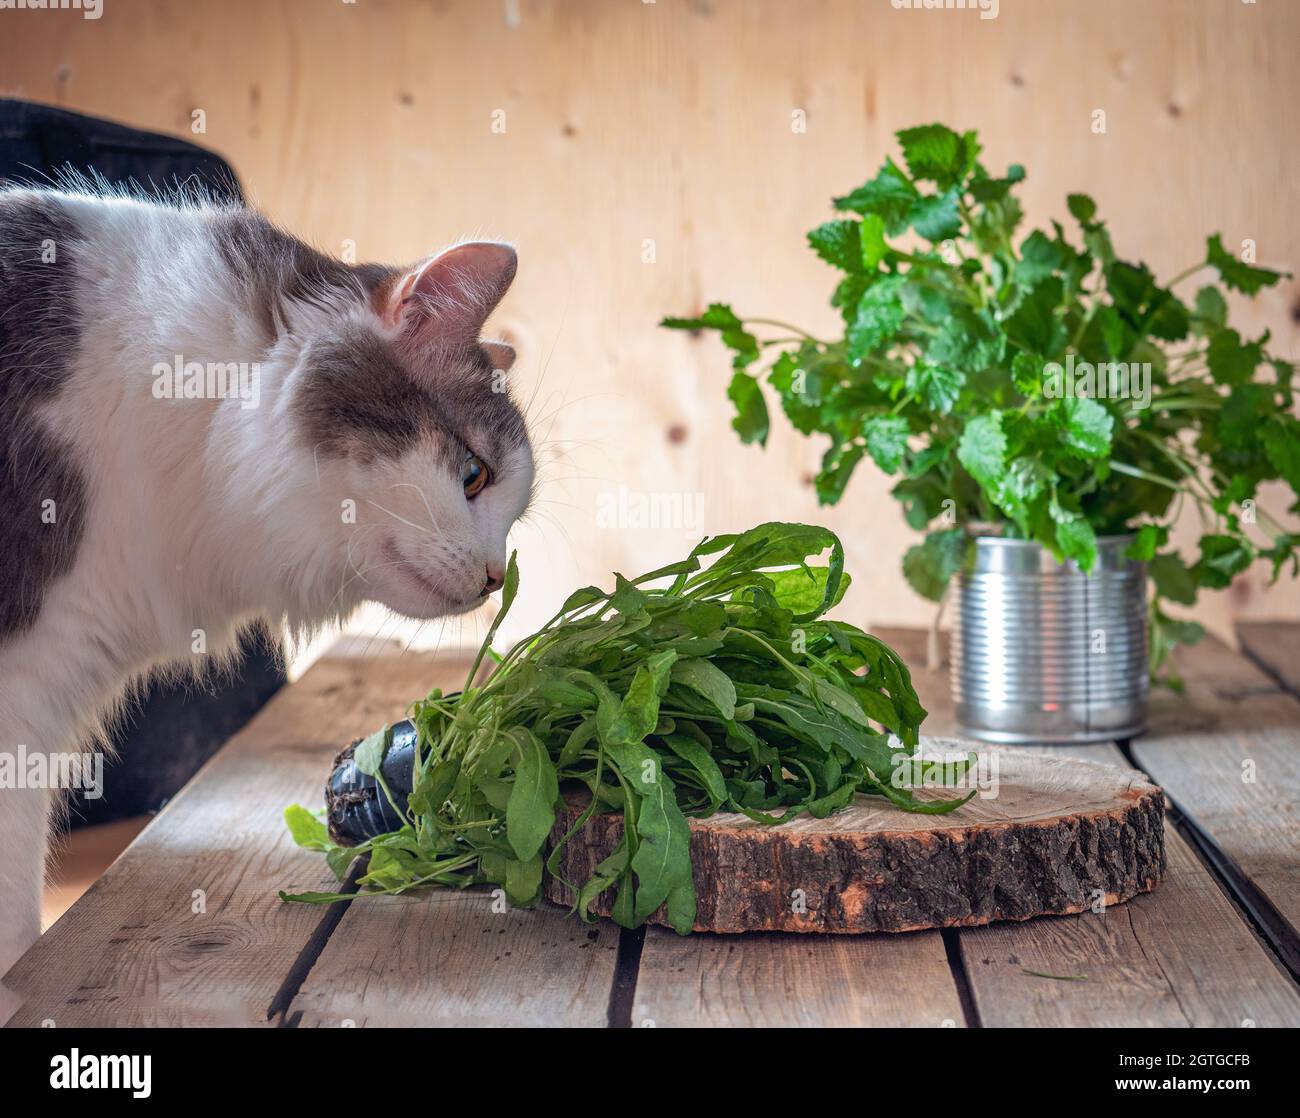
1172	577
930	565
1235	273
839	244
1167	318
985	189
1039	258
1222	557
879	315
1211	310
1026	374
872	233
1231	360
838	465
933	153
938	386
1281	439
935	216
1082	208
983	450
719	316
1034	325
886	437
1075	537
751	422
1086	425
1149	537
1078	541
889	196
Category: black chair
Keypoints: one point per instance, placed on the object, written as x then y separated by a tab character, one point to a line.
171	730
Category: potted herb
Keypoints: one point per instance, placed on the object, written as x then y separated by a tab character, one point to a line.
1048	408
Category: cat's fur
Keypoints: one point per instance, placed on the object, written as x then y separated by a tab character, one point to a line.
134	528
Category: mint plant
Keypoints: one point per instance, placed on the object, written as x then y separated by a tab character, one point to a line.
1034	384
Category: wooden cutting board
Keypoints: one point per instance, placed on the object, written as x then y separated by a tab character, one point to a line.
1050	836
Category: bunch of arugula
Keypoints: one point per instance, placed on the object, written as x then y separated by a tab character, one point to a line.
724	688
939	379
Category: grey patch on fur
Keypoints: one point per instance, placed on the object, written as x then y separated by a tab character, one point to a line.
273	267
39	331
357	397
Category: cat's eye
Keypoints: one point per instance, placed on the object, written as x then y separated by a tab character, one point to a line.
474	475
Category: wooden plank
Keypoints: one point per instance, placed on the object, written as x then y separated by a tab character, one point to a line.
459	958
133	950
786	980
1182	955
442	958
1227	752
897	981
1275	647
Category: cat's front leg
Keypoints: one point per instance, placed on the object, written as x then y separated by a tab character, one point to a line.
24	840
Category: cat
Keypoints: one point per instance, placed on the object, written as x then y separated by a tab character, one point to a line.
204	421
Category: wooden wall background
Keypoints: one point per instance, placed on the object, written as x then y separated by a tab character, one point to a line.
671	121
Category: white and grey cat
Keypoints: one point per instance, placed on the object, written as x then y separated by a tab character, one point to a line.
140	509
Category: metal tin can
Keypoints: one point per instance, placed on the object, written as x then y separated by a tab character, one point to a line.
1043	652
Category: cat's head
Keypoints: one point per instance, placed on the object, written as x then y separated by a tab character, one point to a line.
409	420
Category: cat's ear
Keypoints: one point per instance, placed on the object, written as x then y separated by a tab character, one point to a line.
448	298
500	354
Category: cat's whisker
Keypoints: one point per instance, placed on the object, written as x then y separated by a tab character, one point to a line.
345	582
427	508
402	519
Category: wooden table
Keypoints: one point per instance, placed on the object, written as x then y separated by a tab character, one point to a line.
186	927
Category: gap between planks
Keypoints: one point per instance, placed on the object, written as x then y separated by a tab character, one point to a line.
139	948
1179	956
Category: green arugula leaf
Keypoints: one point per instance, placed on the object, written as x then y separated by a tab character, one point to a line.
369	753
531	809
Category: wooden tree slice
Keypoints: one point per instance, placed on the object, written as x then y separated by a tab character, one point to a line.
1059	836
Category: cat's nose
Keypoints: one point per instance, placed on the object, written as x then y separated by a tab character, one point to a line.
494	580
